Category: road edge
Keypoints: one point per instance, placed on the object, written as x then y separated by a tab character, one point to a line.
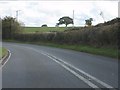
54	46
4	60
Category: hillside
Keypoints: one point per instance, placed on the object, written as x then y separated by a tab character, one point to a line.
111	22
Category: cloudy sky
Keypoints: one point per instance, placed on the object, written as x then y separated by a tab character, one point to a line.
36	13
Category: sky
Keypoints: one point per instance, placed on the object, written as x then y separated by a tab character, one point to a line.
37	13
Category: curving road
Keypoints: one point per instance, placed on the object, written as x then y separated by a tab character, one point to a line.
32	66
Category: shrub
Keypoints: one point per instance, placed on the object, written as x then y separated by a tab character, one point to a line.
10	26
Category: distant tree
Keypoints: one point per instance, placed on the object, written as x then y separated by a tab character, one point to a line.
10	26
44	25
65	20
88	22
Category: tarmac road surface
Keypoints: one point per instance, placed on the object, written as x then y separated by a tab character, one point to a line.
33	66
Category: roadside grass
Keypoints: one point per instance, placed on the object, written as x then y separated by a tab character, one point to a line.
109	52
3	52
42	29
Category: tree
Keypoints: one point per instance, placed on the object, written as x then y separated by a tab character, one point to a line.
65	20
10	26
89	21
44	25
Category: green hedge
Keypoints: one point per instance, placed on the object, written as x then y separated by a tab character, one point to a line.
95	36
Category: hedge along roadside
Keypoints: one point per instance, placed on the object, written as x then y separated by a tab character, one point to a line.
94	36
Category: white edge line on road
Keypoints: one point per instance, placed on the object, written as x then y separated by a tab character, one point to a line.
81	71
76	74
6	58
70	70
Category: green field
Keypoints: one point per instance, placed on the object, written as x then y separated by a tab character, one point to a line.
3	52
43	29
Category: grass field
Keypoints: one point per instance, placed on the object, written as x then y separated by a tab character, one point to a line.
3	52
42	29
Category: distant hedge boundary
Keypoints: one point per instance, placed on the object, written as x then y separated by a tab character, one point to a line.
96	36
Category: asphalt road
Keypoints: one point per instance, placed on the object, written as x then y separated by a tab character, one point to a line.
32	66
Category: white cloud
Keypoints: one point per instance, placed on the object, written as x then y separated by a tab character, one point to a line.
36	13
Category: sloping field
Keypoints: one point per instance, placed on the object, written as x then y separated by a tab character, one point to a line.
42	29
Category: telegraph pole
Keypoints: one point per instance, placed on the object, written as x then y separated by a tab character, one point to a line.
73	18
101	14
17	14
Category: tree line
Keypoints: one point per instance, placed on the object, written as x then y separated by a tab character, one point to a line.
67	20
10	25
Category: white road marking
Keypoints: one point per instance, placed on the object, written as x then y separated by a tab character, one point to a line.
81	71
73	72
70	70
88	75
7	58
76	74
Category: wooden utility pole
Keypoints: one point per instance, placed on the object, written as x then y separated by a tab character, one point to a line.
17	14
73	18
101	14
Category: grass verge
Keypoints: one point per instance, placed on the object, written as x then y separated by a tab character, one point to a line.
109	52
3	52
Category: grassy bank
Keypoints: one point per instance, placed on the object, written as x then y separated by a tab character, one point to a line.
109	52
3	52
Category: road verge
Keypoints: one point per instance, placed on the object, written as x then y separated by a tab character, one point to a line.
103	51
5	58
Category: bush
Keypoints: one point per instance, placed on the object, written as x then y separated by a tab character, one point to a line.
10	26
44	25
